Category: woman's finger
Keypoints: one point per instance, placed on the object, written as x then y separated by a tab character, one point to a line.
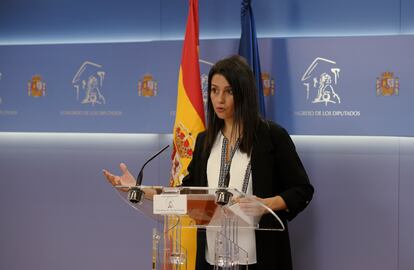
112	179
123	167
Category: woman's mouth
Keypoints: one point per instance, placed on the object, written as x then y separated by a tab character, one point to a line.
220	109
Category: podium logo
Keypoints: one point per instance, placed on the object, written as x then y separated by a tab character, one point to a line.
388	84
320	80
147	86
36	87
88	83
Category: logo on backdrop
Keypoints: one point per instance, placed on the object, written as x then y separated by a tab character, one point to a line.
147	86
320	80
388	84
268	84
36	87
88	82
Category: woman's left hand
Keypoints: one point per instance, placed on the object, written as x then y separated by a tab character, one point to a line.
250	205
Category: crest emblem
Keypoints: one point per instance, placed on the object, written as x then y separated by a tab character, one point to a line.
320	80
147	87
88	81
183	149
184	141
268	85
36	87
387	84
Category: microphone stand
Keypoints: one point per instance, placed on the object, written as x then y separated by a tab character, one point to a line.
135	193
223	196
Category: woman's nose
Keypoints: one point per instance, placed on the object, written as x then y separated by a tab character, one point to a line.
221	97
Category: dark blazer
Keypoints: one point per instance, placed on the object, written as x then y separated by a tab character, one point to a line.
276	170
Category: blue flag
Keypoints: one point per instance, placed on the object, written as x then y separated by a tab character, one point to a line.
249	49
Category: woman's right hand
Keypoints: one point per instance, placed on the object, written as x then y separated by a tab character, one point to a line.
126	179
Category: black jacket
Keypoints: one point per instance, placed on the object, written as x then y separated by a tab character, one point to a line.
276	170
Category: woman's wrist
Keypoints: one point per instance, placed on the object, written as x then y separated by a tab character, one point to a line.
275	203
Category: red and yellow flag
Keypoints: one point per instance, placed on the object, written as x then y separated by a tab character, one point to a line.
189	120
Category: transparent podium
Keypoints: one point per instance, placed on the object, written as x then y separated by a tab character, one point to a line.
222	213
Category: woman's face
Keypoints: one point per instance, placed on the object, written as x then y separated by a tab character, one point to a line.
221	96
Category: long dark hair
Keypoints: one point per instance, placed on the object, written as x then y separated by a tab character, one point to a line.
240	77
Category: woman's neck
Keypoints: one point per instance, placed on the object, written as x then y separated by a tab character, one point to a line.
227	129
230	132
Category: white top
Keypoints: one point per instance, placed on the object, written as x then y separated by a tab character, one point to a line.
246	238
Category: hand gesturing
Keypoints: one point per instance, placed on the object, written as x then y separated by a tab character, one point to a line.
126	179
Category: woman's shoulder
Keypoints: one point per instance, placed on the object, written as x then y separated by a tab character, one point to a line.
202	135
271	126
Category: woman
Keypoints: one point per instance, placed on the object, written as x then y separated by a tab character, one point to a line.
261	159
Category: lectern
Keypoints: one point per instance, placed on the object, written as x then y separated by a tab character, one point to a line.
217	211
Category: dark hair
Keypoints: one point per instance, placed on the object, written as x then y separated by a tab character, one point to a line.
240	77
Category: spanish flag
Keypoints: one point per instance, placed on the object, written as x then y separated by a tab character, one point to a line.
189	119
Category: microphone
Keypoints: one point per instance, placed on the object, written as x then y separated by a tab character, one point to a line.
135	194
223	196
